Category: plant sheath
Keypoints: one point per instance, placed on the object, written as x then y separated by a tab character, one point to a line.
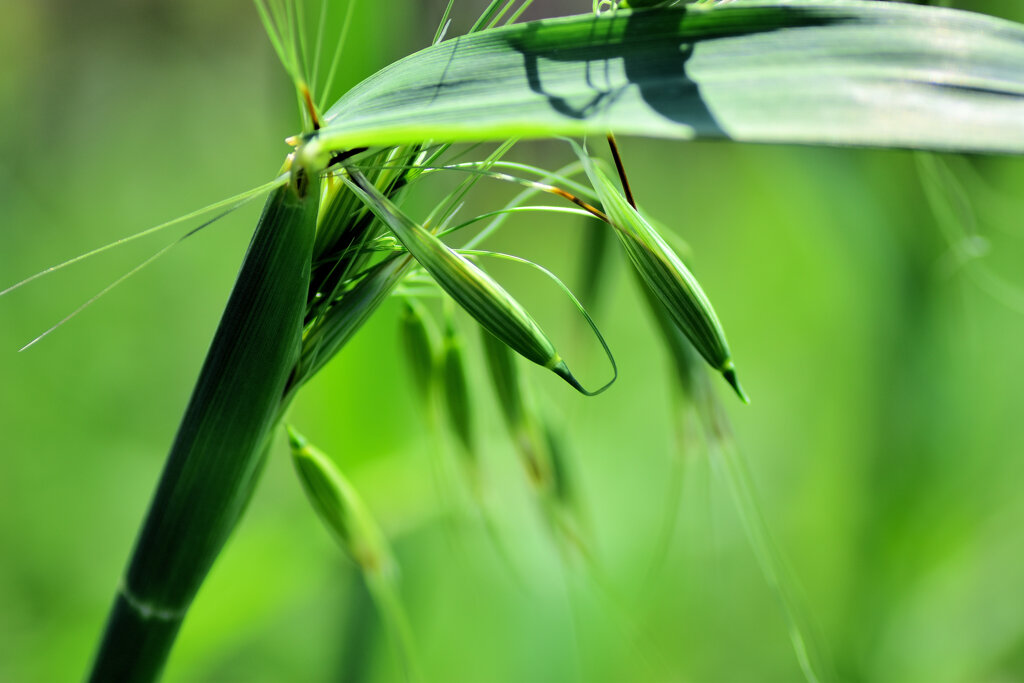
219	449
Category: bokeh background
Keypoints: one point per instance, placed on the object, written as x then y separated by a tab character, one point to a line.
884	438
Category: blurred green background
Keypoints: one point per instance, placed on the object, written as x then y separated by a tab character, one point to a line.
884	438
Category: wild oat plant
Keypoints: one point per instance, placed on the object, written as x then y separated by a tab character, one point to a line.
338	237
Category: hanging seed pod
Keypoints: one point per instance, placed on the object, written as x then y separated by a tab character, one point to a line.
563	484
665	275
419	343
473	289
340	508
522	424
348	519
537	443
456	390
505	377
685	359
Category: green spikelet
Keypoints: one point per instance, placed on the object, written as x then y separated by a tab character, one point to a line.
665	275
473	289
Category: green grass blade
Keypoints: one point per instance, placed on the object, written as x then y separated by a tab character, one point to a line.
338	47
442	26
519	12
321	25
836	72
217	455
501	13
486	16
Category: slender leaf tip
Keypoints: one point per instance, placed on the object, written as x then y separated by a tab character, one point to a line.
729	372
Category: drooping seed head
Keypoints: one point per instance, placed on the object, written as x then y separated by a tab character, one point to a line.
456	390
473	289
665	275
501	365
420	346
562	483
519	420
340	507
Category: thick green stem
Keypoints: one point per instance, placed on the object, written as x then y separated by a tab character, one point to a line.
220	447
134	646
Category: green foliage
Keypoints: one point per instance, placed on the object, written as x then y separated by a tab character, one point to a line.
848	72
839	73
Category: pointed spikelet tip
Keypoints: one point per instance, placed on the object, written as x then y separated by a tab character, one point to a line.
729	372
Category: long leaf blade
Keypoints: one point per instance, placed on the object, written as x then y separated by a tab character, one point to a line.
836	72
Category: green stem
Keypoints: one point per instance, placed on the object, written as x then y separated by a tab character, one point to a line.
134	647
218	453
